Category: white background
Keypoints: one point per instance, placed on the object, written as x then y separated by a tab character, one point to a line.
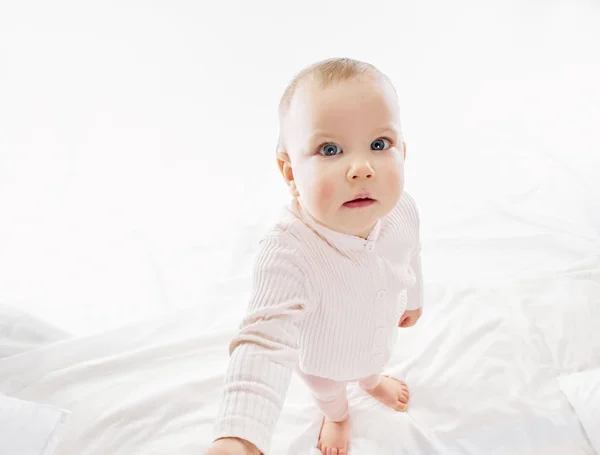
137	138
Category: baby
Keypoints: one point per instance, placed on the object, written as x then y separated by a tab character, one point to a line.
341	270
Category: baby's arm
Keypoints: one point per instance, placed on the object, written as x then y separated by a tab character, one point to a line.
265	351
415	293
414	296
232	446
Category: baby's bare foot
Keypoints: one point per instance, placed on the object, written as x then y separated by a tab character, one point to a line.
333	439
391	392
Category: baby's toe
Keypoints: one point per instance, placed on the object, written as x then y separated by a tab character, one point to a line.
403	397
401	405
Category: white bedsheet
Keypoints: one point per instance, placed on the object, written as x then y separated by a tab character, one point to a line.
28	428
482	365
583	391
21	331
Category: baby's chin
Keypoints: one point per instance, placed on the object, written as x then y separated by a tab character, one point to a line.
358	222
358	228
361	224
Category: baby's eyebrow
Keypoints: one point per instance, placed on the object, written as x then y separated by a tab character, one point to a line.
391	128
320	135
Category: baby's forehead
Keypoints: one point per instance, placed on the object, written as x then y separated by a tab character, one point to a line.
316	89
315	86
322	101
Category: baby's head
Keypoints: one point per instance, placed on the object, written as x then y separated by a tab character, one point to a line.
341	150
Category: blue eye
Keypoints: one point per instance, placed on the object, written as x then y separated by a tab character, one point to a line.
330	150
380	144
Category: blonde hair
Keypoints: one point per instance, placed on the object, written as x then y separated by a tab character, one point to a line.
325	73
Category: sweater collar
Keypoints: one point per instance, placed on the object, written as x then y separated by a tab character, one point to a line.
336	239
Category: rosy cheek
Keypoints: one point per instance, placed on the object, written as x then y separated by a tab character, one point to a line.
324	194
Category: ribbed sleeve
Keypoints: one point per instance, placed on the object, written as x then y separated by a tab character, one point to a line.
414	295
265	351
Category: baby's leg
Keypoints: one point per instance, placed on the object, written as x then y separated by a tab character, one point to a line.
332	400
390	391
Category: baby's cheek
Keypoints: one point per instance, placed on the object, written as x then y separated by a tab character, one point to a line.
324	194
394	180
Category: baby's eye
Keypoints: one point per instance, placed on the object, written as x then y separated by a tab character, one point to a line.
380	144
330	150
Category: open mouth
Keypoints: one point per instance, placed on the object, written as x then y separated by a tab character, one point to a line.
359	202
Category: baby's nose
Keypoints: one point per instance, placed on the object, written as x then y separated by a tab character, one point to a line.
363	170
356	175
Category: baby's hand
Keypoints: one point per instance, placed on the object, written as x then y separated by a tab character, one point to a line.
232	446
410	317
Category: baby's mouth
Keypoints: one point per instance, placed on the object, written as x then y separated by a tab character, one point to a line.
359	202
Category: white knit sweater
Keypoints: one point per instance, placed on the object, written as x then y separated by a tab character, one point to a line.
327	302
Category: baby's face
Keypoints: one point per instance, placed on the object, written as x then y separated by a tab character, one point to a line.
346	154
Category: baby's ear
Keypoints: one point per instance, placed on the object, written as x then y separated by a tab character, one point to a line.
285	167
